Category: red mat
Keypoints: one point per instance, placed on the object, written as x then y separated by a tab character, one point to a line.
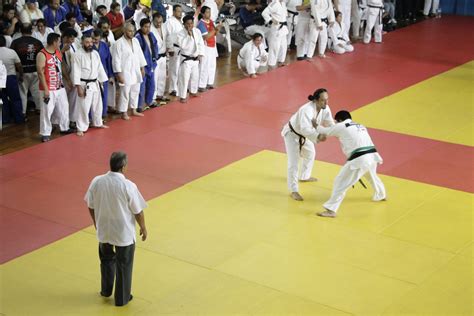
42	187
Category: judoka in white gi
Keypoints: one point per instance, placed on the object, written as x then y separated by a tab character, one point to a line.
252	56
173	26
304	32
359	13
291	18
322	12
362	160
300	137
128	63
275	14
345	7
87	75
191	51
374	21
159	30
340	42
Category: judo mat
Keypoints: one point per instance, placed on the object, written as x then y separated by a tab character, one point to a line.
224	236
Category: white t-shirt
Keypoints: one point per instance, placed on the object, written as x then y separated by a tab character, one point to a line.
3	75
9	58
115	200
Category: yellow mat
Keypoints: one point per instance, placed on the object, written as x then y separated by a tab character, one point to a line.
234	243
440	108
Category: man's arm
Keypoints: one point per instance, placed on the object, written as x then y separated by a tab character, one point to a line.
40	65
92	213
140	218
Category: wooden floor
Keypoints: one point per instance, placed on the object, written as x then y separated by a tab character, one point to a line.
16	137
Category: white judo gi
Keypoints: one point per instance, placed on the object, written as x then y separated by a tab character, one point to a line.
362	160
251	57
128	60
340	42
190	48
88	72
276	13
323	14
374	21
345	7
302	124
291	18
173	26
161	36
359	13
303	31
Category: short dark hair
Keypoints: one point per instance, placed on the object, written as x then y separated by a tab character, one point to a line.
69	32
176	6
144	22
156	14
52	37
118	160
42	21
317	94
342	116
187	18
63	26
114	5
100	7
86	35
27	29
103	20
3	41
70	15
97	33
256	35
7	7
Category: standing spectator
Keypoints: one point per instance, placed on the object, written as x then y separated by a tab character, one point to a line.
275	14
71	6
116	19
27	48
30	14
374	21
42	31
115	204
149	46
207	67
54	14
158	29
323	16
11	99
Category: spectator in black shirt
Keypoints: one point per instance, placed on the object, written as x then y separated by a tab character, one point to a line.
27	47
8	21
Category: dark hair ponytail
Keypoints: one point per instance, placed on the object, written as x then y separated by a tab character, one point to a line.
317	94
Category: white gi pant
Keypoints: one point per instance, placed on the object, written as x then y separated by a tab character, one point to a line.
31	83
188	76
433	4
92	100
350	173
345	8
160	77
303	37
58	104
112	95
292	21
346	48
357	17
320	36
256	64
128	97
71	97
207	67
307	153
174	64
374	21
277	46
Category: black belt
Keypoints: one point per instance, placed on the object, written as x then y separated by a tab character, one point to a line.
256	59
161	55
380	12
293	17
301	140
325	20
341	38
292	12
87	81
186	58
282	24
374	6
361	153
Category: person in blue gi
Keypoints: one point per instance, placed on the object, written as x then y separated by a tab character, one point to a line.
106	58
73	6
150	50
54	14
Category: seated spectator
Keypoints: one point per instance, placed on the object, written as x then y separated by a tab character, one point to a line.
54	14
86	12
30	14
27	47
42	31
157	6
71	6
252	56
142	12
340	42
129	10
70	21
252	21
100	12
116	19
8	22
12	110
389	7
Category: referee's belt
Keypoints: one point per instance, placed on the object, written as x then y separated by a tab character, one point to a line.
292	12
301	139
187	58
360	152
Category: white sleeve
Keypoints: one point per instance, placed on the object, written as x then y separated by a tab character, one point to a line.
315	14
249	64
199	43
76	69
332	34
331	16
101	75
307	128
116	61
266	14
89	197
334	130
136	202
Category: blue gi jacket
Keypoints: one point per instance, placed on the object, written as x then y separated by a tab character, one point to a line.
151	55
105	58
51	20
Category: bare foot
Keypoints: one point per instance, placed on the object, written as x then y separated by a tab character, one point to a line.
79	133
103	126
125	117
327	213
136	113
296	196
183	100
322	56
193	94
281	64
310	179
253	76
